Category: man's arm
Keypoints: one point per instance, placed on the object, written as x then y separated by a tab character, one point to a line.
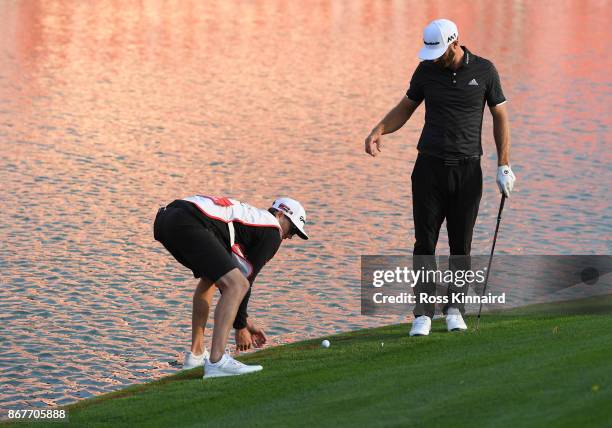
501	133
241	317
269	241
246	331
394	120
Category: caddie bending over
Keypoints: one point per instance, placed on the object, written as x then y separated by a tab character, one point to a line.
455	84
225	243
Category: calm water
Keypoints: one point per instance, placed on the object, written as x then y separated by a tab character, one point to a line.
109	109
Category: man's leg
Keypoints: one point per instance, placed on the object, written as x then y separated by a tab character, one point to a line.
428	205
464	201
197	248
233	286
202	299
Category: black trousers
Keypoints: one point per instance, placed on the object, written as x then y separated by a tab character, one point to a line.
451	191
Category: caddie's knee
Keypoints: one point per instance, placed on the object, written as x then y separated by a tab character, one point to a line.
235	281
242	284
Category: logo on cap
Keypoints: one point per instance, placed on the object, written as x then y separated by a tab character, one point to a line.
302	219
285	208
451	37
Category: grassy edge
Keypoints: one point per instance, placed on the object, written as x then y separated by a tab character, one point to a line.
595	305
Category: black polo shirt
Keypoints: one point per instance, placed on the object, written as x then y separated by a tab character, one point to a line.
454	104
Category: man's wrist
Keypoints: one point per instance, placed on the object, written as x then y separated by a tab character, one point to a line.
239	325
240	321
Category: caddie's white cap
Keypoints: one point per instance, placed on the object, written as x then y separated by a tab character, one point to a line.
295	211
437	36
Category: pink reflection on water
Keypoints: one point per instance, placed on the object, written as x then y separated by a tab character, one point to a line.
109	109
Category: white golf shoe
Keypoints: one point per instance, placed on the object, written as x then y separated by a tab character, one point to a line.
227	366
192	360
421	326
454	320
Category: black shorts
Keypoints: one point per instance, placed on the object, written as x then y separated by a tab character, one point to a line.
191	241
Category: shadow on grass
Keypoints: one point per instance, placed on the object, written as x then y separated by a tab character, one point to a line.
596	305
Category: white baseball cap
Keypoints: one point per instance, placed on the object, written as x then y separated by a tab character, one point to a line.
295	211
437	36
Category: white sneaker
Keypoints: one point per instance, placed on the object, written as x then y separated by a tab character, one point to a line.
454	320
191	361
227	366
421	326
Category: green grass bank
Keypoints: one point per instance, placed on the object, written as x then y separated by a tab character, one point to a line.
517	370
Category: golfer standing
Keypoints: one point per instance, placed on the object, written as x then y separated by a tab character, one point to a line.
225	243
447	179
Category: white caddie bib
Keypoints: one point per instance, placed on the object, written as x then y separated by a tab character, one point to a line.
226	210
230	211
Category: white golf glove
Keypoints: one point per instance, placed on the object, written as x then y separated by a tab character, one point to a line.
505	179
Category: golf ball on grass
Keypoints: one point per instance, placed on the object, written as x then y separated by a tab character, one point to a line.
325	343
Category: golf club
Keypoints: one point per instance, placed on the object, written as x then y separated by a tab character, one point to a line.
501	207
